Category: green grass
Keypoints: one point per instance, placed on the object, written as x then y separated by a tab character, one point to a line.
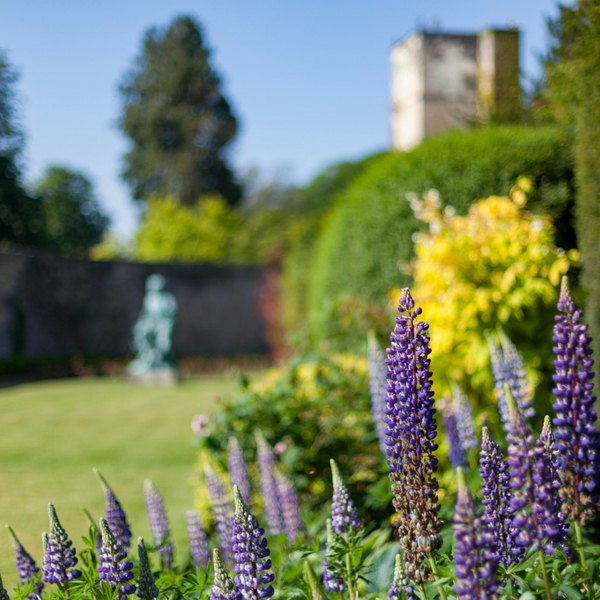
53	433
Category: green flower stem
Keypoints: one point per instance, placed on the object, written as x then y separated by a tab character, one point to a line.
349	571
434	571
422	590
545	576
582	558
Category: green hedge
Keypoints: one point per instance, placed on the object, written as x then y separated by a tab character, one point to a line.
368	233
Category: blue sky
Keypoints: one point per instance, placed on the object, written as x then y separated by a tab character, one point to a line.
308	78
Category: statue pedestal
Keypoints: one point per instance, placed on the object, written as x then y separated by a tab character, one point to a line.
157	377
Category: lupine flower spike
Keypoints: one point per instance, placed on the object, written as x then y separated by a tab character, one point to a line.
377	381
290	508
536	516
474	550
411	432
223	587
159	525
238	470
400	584
314	585
26	566
147	589
333	570
456	451
252	568
497	495
113	567
222	509
197	538
576	436
3	592
343	512
115	515
59	554
465	425
266	463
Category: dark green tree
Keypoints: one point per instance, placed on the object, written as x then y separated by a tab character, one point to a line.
573	85
74	221
177	118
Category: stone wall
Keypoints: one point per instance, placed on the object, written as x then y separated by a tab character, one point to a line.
52	307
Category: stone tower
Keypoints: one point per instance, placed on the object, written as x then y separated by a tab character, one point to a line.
446	80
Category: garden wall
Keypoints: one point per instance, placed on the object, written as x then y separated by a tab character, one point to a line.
52	306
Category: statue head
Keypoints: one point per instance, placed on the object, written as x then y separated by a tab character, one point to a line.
155	283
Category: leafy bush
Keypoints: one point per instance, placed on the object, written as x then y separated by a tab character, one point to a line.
369	231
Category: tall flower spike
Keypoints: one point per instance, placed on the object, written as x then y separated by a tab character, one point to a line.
497	494
59	553
238	470
474	549
400	584
159	525
576	435
222	509
3	592
465	424
456	451
115	515
113	567
147	589
343	511
333	570
252	568
223	587
411	432
197	538
266	463
377	382
314	585
26	566
535	511
288	498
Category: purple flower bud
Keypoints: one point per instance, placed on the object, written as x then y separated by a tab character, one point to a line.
253	577
343	511
400	584
576	435
147	589
474	549
26	566
115	515
159	525
59	554
197	538
333	569
377	383
238	470
288	499
222	509
113	569
223	587
266	463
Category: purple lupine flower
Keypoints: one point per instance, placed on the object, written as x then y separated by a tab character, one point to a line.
497	494
147	589
59	554
377	381
115	515
159	525
238	470
535	511
576	436
112	566
222	509
474	549
333	570
508	368
288	497
253	577
456	450
465	424
197	538
411	432
3	592
26	565
266	463
400	584
343	512
223	587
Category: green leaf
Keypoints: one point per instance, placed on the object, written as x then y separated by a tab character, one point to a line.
570	592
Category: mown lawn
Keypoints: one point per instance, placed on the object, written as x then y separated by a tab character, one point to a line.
53	433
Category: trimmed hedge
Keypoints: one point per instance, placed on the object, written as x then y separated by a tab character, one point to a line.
368	233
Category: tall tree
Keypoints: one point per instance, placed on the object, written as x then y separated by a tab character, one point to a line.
74	221
177	118
573	84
